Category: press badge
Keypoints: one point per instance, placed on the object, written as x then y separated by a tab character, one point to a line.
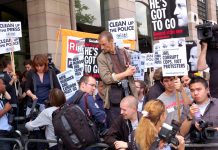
169	110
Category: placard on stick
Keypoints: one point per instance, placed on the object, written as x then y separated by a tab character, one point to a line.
174	61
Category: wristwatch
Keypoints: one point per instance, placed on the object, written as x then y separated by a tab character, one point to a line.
189	118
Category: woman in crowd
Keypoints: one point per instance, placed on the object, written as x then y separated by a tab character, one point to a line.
56	99
40	81
154	115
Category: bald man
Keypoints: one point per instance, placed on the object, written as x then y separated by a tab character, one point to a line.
121	134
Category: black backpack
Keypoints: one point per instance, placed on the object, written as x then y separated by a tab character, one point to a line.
74	126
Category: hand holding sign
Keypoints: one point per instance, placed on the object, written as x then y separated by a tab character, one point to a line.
178	84
130	70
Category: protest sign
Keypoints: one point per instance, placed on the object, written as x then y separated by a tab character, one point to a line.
76	62
143	64
149	60
8	44
91	52
135	60
10	29
68	82
157	55
192	55
72	43
122	29
174	61
169	19
75	45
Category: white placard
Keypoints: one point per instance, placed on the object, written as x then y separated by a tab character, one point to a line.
6	45
149	60
174	61
122	29
76	62
157	55
10	29
68	82
143	64
136	61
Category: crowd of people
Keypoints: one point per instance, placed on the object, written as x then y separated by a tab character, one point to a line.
130	114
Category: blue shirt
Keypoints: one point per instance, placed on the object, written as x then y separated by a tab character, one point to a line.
96	113
42	88
4	119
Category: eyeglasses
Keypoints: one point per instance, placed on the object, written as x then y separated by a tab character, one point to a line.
92	85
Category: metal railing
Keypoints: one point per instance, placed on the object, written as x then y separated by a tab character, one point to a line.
37	141
13	140
202	145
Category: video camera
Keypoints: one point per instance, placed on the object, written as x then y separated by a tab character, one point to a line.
208	32
168	132
51	65
207	132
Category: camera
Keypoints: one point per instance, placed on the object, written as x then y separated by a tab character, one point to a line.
168	132
208	32
207	132
51	65
11	116
125	86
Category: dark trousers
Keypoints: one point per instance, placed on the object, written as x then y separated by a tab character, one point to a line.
5	145
112	114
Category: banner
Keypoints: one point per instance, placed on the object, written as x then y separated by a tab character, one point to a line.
9	44
192	55
68	83
169	19
10	29
76	62
72	43
157	55
91	52
174	57
149	60
122	29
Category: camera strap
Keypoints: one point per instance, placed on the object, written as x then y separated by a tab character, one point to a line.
51	78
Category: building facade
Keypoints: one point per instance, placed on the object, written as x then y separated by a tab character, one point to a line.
41	19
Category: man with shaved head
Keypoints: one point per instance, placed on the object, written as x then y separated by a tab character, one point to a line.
121	133
115	70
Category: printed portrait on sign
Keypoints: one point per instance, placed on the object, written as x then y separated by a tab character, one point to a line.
192	55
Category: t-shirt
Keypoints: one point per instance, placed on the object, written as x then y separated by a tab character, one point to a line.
171	106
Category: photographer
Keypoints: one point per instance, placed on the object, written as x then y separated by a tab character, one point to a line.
154	115
203	104
208	58
56	99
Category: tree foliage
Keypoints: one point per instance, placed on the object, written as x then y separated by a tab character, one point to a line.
81	17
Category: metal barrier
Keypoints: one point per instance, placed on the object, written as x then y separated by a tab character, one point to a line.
38	141
100	145
13	140
201	145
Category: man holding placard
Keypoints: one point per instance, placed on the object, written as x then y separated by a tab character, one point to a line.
173	85
116	74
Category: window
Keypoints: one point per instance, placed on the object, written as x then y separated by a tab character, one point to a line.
143	26
202	9
90	18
